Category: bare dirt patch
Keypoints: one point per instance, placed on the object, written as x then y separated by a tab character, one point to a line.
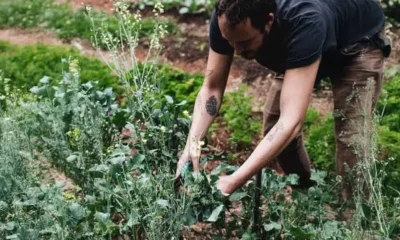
24	37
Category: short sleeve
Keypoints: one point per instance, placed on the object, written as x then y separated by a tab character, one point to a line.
305	36
217	43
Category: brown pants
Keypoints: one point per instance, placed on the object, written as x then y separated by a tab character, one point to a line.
356	88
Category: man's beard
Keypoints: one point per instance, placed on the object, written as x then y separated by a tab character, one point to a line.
250	55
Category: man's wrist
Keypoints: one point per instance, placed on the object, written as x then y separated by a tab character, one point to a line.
236	181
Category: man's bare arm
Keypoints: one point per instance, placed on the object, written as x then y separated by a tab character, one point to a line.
208	101
295	97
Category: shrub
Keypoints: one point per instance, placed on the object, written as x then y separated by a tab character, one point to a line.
179	84
388	104
245	127
27	65
320	141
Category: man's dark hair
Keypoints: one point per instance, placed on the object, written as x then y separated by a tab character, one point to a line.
237	11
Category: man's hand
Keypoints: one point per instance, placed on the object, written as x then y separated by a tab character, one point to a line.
192	153
226	185
184	159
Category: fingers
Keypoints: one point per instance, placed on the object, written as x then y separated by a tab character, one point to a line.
196	164
179	168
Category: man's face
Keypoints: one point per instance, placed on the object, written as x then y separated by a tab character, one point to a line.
246	39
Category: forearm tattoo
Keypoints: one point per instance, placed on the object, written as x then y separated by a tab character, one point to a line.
211	106
209	72
272	133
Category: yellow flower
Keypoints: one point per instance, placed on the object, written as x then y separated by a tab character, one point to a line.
68	195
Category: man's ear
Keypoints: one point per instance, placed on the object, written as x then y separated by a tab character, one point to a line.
271	18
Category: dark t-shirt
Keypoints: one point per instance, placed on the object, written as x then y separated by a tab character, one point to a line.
304	30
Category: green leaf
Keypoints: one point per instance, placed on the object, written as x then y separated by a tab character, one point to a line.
10	226
88	85
190	217
318	176
117	160
61	184
133	219
218	170
271	226
3	206
169	99
14	236
236	196
44	80
183	10
71	158
292	179
181	103
34	90
298	233
102	217
77	212
136	161
108	92
99	168
215	213
248	235
366	211
163	203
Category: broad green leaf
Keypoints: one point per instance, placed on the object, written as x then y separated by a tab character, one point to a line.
45	80
3	206
218	170
271	226
34	90
136	160
367	212
181	103
298	233
215	213
88	85
10	226
318	176
108	92
99	168
169	99
117	160
248	235
236	196
90	199
102	217
14	236
61	184
183	10
77	212
133	219
292	179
